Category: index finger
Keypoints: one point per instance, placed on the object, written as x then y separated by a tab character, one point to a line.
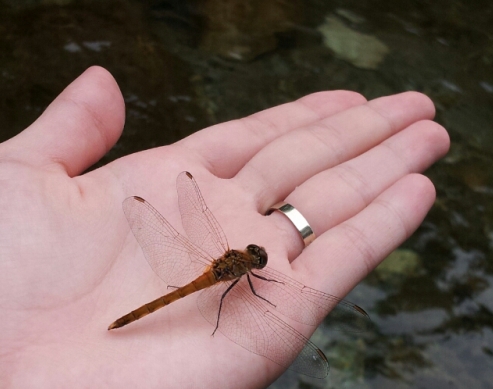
227	147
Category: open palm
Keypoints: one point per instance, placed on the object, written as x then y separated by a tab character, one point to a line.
69	264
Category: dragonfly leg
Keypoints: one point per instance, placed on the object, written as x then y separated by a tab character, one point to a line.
265	279
221	303
253	290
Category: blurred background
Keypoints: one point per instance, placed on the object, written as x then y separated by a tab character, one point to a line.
185	65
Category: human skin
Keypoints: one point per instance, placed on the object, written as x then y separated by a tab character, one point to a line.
69	265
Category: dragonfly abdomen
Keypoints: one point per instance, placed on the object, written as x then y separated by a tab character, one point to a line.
203	281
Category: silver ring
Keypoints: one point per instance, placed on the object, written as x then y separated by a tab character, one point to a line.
297	219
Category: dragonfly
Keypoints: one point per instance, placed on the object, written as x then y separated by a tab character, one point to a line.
240	295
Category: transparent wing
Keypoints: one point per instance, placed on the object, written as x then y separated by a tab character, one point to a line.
198	221
172	256
250	322
309	306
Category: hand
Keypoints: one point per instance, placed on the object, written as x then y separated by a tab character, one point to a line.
69	265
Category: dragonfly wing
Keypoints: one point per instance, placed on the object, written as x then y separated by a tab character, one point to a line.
309	306
172	256
198	221
251	323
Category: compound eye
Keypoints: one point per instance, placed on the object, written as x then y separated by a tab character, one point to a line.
263	257
259	253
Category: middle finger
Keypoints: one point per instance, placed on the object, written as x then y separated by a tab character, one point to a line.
293	158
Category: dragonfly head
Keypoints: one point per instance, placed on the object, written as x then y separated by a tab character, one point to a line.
259	256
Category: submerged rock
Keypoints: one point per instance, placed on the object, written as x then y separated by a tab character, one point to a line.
362	50
241	30
400	263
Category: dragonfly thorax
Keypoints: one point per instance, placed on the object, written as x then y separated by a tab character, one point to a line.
235	263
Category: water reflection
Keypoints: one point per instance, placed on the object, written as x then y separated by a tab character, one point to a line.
431	301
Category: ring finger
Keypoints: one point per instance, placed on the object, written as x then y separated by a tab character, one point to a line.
337	194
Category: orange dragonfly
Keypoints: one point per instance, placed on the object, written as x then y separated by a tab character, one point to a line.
240	295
